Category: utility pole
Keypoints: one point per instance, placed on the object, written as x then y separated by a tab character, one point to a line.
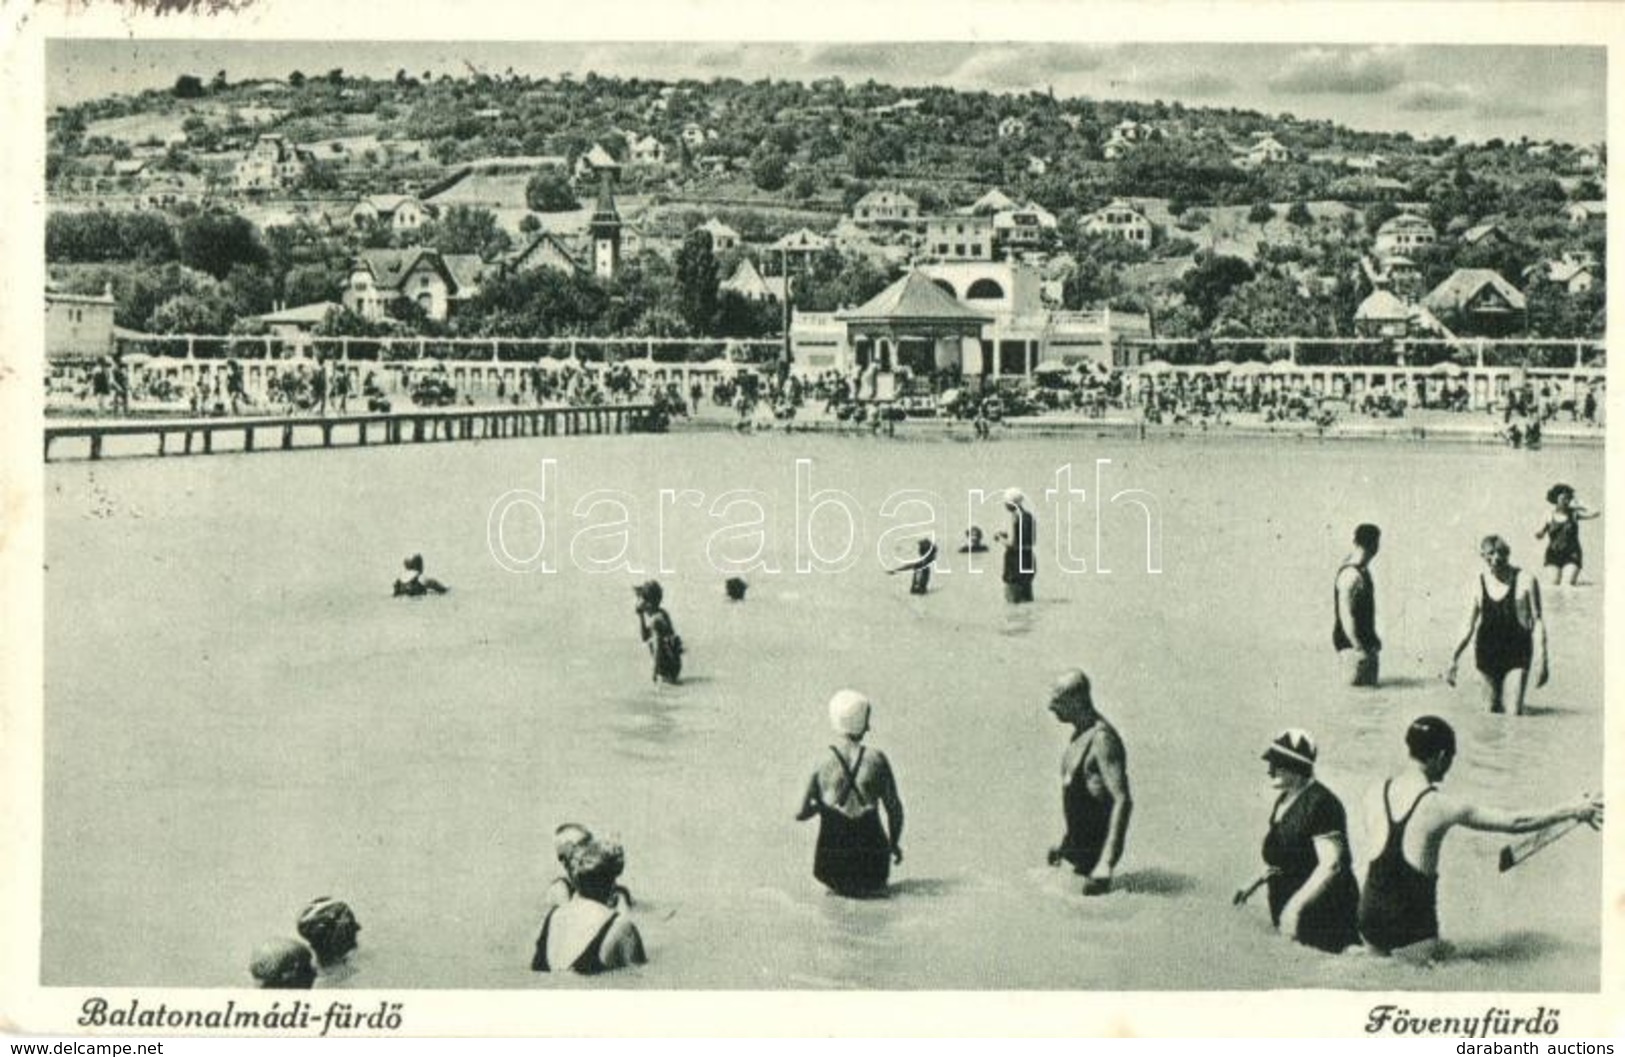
784	353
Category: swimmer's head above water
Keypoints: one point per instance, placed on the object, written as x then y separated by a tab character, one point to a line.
1432	743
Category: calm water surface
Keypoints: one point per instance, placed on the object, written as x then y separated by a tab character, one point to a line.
239	717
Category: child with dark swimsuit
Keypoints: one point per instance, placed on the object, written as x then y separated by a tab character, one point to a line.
920	567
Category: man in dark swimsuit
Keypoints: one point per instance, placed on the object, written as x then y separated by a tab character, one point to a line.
1506	629
1354	619
1095	798
1399	903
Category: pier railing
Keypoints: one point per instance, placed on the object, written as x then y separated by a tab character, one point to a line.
206	436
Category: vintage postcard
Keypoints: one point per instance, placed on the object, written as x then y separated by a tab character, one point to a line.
984	519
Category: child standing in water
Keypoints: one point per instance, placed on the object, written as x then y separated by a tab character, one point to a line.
654	624
920	567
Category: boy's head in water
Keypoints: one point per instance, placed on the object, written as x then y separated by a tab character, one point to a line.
414	564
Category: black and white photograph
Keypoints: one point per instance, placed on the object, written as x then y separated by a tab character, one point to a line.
978	508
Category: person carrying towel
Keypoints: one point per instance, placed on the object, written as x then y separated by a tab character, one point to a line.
846	792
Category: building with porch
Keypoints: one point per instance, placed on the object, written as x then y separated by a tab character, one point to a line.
1016	334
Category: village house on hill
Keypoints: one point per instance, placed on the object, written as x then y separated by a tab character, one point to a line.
748	282
883	208
1403	234
958	237
645	150
544	250
723	237
1386	315
803	243
1581	213
595	164
434	281
396	212
1266	150
272	164
1479	301
1121	220
1574	272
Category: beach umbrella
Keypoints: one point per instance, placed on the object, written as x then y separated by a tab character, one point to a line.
1224	366
1156	367
1448	368
948	396
1053	367
1249	368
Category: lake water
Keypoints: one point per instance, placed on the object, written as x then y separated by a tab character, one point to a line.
239	718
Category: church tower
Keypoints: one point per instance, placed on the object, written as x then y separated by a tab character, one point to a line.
605	227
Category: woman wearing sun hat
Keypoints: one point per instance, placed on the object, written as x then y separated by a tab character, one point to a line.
1313	896
846	792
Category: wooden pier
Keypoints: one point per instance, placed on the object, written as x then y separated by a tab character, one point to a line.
202	436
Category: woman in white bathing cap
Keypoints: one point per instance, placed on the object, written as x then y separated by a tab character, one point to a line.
846	791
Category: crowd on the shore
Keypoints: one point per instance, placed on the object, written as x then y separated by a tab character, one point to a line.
764	397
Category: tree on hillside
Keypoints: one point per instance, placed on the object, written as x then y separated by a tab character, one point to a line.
697	278
549	191
296	79
1269	306
1299	215
1262	213
188	86
768	169
1211	281
213	242
468	229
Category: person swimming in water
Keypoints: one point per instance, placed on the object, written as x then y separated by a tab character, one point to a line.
587	935
920	567
1095	798
1506	629
973	542
416	585
846	793
1561	531
283	965
1410	817
654	624
331	929
566	839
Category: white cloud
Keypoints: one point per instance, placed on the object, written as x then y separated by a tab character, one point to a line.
1432	97
1340	71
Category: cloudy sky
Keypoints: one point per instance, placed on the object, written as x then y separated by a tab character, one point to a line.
1468	91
